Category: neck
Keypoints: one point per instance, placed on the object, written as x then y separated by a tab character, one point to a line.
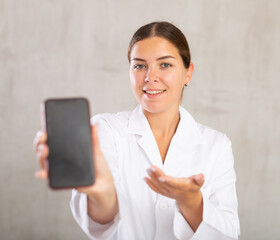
163	124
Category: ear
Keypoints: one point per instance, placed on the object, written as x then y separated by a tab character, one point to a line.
189	73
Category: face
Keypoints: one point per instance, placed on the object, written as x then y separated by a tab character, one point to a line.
157	74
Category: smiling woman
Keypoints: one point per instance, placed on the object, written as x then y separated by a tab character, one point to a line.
158	75
159	174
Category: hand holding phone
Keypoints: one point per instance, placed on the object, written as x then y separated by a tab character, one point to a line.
70	156
102	196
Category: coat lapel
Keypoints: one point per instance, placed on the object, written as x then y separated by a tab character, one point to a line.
182	148
138	125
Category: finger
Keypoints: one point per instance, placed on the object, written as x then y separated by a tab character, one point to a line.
154	187
155	180
199	179
95	142
100	164
95	145
36	140
179	182
42	174
42	154
157	171
97	154
154	174
94	136
41	137
175	183
168	182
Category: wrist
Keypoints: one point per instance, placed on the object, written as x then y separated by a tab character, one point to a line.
192	203
103	198
192	210
103	208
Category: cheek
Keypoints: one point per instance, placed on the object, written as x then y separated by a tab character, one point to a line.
174	80
132	79
135	84
135	79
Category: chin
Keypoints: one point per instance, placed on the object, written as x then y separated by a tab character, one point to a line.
159	107
154	108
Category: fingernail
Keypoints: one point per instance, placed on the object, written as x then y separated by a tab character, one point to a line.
40	147
39	134
201	177
149	171
153	169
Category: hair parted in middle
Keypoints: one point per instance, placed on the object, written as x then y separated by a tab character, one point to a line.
167	31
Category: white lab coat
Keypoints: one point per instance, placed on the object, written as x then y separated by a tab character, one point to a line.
129	146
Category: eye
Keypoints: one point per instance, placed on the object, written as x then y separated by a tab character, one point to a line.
139	66
165	65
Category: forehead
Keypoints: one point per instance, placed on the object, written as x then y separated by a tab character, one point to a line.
154	47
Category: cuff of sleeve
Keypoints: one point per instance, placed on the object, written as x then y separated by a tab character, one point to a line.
103	231
209	211
215	221
93	229
206	232
182	229
208	228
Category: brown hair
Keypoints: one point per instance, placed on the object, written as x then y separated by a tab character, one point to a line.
165	30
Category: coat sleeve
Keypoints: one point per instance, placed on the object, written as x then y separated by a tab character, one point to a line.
220	217
78	203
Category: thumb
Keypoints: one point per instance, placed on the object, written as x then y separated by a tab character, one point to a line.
94	135
100	164
95	141
95	147
199	179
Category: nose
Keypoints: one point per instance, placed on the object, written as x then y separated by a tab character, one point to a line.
151	76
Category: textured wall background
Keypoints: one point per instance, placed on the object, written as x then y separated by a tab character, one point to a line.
78	48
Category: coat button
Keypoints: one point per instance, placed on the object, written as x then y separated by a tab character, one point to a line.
163	206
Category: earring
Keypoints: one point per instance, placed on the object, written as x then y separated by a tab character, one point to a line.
187	84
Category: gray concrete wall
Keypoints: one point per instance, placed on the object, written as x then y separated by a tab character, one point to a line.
78	48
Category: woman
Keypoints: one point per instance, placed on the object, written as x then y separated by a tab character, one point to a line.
159	174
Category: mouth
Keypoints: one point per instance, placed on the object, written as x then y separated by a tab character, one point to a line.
154	92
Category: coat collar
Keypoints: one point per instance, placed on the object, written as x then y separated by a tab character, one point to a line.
182	145
181	148
187	130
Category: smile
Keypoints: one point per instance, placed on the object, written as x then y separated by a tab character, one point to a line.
153	92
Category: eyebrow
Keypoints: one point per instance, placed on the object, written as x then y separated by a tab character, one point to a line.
164	57
160	58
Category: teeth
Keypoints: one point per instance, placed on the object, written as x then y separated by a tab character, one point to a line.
154	92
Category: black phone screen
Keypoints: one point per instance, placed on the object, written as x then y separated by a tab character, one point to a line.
70	144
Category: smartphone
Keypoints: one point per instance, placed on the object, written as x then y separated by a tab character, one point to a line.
67	123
